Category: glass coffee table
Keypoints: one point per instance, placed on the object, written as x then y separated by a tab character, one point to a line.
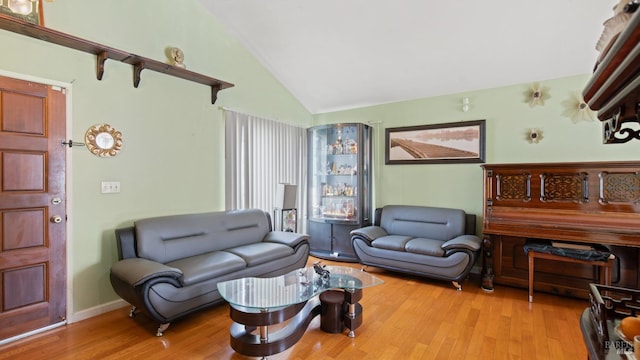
286	305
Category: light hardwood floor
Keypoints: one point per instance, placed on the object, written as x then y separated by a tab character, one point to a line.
405	318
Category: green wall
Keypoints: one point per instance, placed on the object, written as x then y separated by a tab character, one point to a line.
172	160
173	155
508	119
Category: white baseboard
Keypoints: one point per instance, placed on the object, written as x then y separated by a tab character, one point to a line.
97	310
31	333
79	316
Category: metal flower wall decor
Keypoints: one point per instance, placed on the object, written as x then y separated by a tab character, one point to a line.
537	95
577	110
534	136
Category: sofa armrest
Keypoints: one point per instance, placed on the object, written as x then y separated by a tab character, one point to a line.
136	271
369	233
286	238
463	242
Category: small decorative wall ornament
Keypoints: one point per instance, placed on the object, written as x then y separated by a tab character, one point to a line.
577	110
176	57
537	95
27	10
102	140
465	104
534	136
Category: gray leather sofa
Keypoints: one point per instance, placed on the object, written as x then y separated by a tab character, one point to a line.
437	243
169	266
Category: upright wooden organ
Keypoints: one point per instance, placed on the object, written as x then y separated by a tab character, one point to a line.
575	203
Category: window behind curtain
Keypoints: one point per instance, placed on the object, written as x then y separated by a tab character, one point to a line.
259	154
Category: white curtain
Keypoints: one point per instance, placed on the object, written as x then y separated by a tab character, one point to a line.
260	154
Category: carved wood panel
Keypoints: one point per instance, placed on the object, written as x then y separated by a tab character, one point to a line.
560	187
619	187
513	187
582	187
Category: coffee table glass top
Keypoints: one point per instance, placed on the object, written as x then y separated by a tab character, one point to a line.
293	288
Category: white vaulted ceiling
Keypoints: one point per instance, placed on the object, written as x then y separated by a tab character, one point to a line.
340	54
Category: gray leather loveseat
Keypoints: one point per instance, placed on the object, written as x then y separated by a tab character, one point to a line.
438	243
169	266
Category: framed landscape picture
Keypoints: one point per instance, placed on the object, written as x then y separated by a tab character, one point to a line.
459	142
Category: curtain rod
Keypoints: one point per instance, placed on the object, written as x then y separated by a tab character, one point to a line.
225	108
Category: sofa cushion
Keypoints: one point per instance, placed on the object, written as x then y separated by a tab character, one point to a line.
169	238
207	266
445	267
258	253
416	221
391	242
425	246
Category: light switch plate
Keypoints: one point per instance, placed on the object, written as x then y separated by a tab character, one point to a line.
110	187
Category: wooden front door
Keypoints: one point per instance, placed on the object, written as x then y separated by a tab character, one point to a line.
32	206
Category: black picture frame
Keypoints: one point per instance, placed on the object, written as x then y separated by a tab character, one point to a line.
425	144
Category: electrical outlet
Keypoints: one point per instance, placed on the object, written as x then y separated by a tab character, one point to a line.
110	187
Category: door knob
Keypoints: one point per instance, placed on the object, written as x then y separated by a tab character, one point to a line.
56	219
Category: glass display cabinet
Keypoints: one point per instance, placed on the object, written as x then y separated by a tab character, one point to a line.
339	187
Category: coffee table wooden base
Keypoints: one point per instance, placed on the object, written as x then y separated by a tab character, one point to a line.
250	332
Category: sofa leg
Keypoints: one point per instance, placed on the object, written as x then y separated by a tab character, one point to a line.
132	312
457	285
363	268
162	328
